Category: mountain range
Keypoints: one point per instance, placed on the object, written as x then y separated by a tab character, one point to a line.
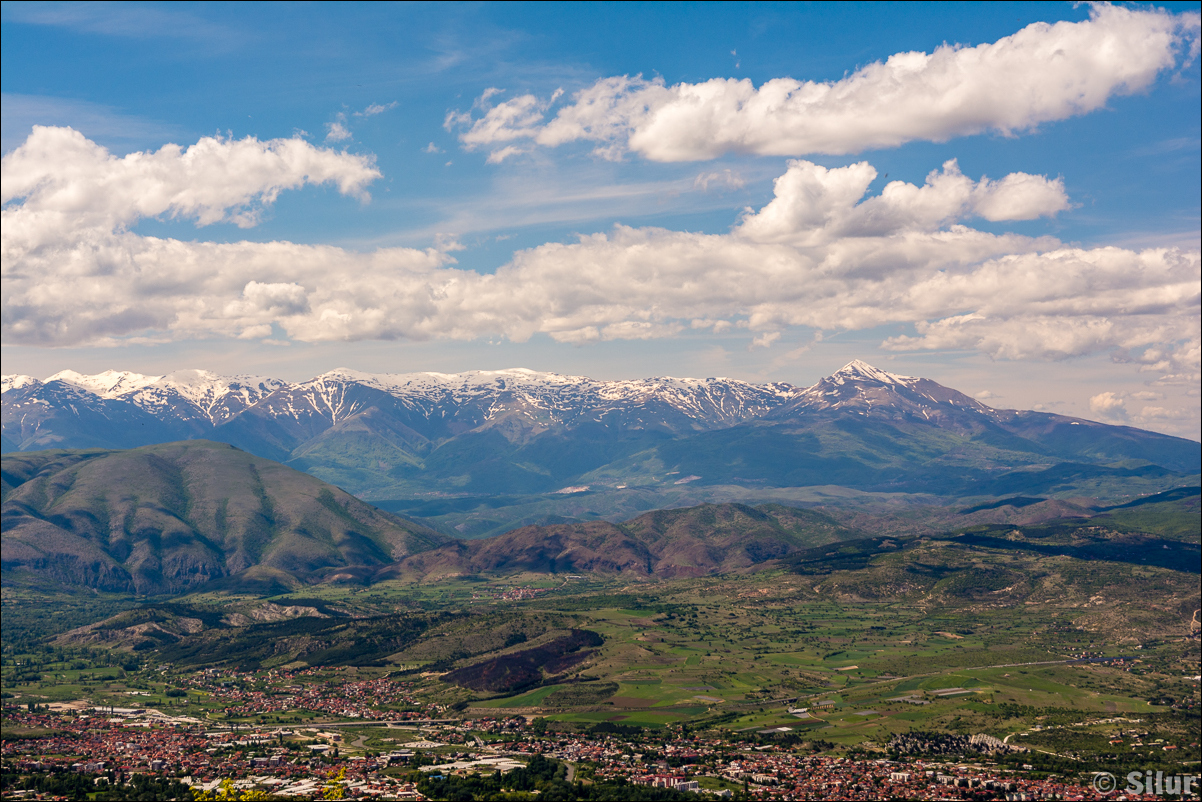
189	515
486	451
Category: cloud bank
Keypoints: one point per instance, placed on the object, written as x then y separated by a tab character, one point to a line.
1042	73
821	254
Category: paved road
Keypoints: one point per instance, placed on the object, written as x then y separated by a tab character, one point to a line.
352	723
363	723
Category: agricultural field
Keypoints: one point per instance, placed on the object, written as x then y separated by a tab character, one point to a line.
737	653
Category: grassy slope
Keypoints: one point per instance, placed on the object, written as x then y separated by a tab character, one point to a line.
164	518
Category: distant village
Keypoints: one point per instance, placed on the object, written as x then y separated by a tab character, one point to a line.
519	593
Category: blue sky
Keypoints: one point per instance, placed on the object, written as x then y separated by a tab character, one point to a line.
449	199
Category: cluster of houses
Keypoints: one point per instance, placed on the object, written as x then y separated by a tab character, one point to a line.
111	743
282	692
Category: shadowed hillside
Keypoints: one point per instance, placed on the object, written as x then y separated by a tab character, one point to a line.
696	541
171	517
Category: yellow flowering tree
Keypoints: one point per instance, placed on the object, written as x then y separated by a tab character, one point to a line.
228	793
334	788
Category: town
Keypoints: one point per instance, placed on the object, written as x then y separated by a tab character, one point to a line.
406	753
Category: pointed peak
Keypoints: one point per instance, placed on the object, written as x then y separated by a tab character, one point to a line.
860	370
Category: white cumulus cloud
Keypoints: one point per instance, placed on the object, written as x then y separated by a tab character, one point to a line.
69	183
816	203
1108	405
1042	73
822	254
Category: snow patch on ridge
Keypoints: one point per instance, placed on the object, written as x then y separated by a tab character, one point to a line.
15	381
183	394
109	384
566	397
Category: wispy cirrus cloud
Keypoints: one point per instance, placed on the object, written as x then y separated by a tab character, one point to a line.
376	108
141	21
339	129
514	199
116	129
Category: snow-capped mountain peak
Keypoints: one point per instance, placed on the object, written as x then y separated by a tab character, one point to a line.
109	384
203	394
15	381
441	405
473	380
857	370
866	390
201	386
195	384
184	395
476	398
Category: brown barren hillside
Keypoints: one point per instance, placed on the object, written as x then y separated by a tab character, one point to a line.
696	541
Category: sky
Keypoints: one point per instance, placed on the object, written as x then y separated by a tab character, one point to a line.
1001	197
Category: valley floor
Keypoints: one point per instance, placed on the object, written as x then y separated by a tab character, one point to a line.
999	661
739	684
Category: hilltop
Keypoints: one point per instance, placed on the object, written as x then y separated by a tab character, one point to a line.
168	518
